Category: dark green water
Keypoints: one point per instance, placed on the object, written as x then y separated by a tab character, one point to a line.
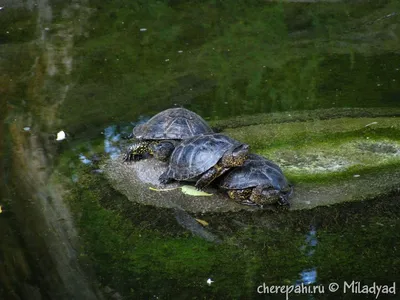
95	68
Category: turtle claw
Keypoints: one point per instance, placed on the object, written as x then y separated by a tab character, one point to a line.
129	136
200	185
128	157
137	157
283	200
201	189
249	203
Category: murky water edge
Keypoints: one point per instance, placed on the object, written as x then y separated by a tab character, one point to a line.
53	79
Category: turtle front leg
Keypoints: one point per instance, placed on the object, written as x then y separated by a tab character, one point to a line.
131	156
209	176
136	151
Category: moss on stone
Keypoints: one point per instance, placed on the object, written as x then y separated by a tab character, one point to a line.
135	254
325	149
304	115
142	251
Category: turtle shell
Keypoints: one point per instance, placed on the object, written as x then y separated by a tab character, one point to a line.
174	124
255	171
196	155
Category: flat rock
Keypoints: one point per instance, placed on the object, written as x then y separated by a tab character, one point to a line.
135	179
328	161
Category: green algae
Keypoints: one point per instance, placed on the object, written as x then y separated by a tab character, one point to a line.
324	158
271	134
18	25
141	252
327	149
15	262
347	262
140	258
304	115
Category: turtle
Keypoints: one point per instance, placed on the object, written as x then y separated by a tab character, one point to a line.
258	182
160	134
203	158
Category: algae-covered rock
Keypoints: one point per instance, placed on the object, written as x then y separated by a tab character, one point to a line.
328	161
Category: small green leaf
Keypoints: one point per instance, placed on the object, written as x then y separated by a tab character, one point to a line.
163	190
192	191
186	189
202	222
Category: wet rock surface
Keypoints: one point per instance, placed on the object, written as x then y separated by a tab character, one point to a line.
342	160
134	180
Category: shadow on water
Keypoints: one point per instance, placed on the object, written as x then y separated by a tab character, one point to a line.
95	69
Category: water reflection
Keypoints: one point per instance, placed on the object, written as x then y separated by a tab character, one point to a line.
75	178
115	136
84	159
309	276
111	137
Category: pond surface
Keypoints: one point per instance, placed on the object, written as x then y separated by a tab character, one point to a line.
94	69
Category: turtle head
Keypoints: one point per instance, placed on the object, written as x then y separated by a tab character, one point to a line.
284	196
236	157
283	200
162	150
